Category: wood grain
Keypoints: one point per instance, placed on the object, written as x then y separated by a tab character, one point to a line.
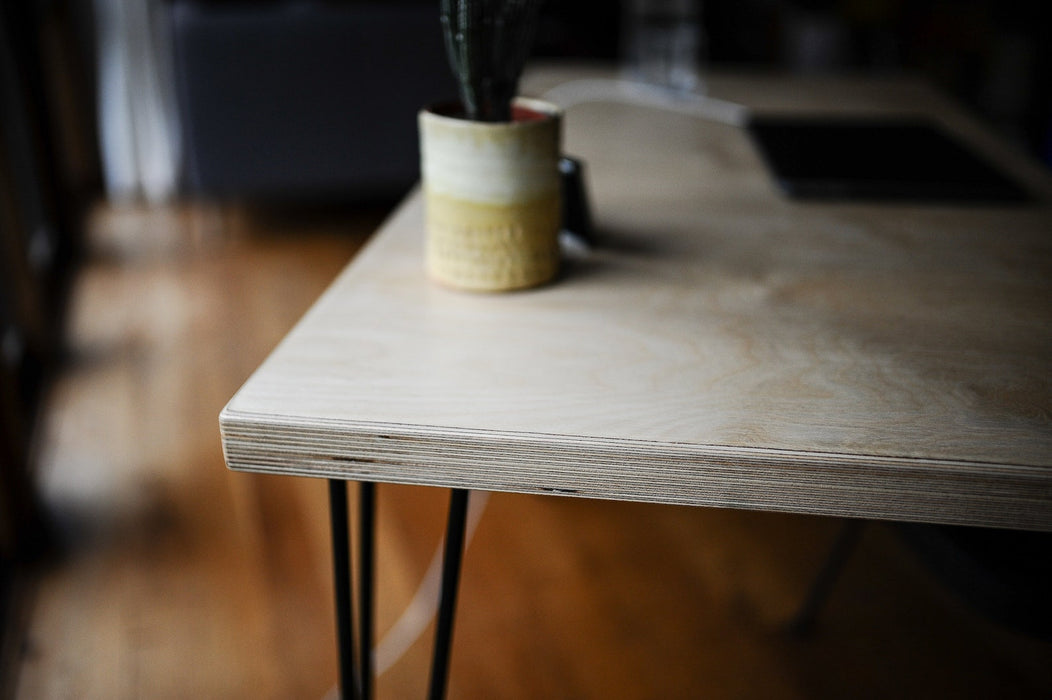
720	346
180	579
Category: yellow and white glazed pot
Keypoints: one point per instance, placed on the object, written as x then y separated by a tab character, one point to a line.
492	197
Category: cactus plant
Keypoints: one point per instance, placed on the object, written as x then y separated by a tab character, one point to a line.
487	42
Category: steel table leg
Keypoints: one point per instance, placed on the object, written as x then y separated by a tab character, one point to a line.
341	565
366	542
458	506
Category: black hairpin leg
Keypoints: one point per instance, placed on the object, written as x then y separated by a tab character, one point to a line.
458	505
357	682
341	565
366	539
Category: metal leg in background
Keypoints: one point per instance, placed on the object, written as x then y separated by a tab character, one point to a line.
803	623
366	540
341	566
458	506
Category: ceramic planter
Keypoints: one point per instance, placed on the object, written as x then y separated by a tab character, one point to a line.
493	198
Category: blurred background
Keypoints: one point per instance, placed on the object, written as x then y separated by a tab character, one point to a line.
179	179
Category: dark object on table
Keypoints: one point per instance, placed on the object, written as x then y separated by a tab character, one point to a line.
844	158
576	211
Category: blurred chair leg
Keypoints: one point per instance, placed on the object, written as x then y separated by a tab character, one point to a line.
803	623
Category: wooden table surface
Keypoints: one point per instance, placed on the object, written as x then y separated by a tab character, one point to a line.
721	345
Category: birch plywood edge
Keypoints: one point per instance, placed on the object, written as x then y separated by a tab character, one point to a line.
720	346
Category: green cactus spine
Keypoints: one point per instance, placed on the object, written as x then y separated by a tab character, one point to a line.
487	42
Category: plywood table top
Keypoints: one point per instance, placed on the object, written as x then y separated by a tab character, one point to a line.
720	345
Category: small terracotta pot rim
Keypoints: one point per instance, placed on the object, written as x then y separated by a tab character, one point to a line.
451	111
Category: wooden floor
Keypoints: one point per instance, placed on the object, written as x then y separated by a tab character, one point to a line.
180	579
